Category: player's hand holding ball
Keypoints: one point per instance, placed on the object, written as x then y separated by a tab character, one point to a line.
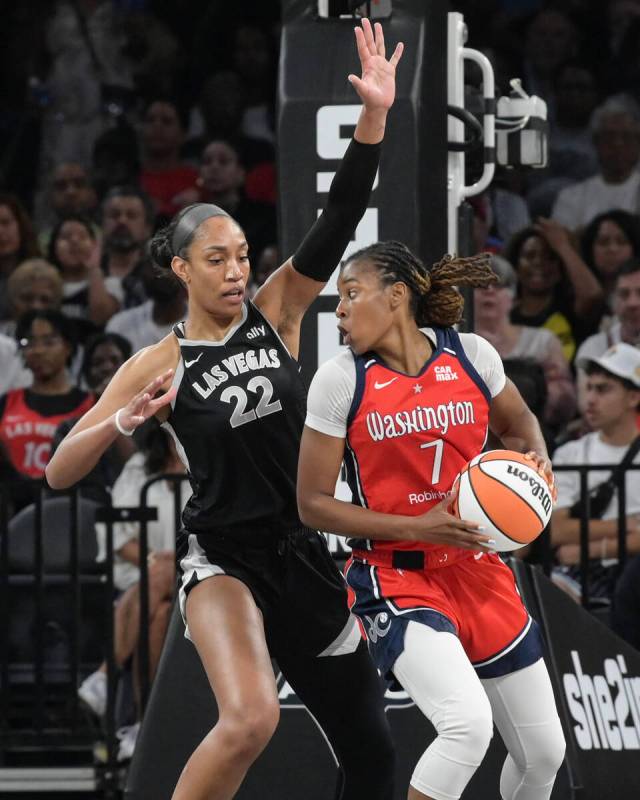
510	494
440	526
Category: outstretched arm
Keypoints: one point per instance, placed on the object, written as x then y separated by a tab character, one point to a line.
133	389
292	288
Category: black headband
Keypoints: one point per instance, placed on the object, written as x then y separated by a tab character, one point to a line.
192	219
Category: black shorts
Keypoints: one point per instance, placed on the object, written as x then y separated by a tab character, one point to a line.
293	579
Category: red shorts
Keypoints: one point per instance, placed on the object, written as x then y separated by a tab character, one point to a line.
476	598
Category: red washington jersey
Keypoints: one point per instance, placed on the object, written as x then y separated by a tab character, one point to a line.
408	437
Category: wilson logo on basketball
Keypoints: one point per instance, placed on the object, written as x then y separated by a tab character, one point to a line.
502	490
538	490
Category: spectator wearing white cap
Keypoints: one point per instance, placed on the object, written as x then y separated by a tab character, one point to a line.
612	400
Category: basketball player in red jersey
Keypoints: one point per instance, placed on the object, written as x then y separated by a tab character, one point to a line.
406	406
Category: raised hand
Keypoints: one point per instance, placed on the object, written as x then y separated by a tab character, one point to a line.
555	234
145	404
377	86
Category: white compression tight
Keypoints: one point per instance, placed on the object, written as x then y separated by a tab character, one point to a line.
437	674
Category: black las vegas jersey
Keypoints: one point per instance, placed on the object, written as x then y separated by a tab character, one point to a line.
238	418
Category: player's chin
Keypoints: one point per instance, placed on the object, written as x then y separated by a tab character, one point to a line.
357	345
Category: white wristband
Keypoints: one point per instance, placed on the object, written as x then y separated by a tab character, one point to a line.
119	426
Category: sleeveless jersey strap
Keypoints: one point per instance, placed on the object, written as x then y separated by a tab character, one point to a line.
455	344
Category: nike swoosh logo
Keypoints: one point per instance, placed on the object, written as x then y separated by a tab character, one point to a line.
193	361
377	385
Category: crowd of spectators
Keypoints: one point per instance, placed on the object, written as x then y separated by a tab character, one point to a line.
566	252
117	113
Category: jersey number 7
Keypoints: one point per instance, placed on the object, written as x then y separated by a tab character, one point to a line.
438	444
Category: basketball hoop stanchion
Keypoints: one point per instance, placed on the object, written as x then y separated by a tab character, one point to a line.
457	190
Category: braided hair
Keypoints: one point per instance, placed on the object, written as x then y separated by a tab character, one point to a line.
434	299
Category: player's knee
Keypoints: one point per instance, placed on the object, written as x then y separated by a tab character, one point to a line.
468	724
549	753
247	730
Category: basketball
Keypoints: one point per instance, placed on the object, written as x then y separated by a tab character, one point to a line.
503	492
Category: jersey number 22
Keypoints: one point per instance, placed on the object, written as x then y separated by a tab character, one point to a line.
257	385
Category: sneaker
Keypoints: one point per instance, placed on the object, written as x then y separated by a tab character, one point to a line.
93	692
127	737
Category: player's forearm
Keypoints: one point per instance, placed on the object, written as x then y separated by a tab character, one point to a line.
78	453
523	434
322	248
371	126
328	514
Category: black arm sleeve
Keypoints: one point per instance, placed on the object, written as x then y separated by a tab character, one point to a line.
322	248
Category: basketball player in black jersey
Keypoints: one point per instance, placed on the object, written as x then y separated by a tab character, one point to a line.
233	400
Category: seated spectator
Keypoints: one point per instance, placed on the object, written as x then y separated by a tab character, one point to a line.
115	161
498	215
608	241
29	417
13	373
268	261
34	284
572	154
155	50
625	326
255	61
154	319
219	116
17	243
157	456
555	286
104	354
70	193
221	181
87	72
615	127
71	247
612	402
164	176
550	38
492	307
127	221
